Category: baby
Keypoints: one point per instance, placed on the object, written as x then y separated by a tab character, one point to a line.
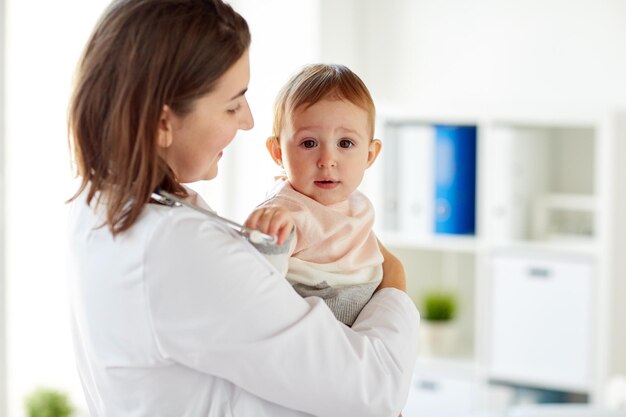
323	138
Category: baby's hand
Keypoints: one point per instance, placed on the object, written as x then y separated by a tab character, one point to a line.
272	220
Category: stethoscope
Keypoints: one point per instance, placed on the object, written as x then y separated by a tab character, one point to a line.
254	236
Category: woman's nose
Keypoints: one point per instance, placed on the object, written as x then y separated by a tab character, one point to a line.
247	121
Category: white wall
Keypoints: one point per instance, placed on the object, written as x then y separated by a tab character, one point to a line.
44	41
485	54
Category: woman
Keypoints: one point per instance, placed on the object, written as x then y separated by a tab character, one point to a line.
174	314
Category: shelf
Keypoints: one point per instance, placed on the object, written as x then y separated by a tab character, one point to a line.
548	190
474	245
445	243
540	383
571	247
458	366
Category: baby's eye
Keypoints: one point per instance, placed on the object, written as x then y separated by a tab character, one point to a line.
309	143
346	143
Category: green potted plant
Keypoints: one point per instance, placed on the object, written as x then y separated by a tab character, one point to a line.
48	402
439	306
438	327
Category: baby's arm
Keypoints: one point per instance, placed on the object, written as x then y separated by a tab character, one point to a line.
393	271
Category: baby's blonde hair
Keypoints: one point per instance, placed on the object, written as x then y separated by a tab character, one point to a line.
316	82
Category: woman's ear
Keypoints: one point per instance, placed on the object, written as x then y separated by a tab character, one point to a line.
273	146
164	131
374	149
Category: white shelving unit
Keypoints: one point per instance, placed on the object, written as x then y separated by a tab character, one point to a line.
542	282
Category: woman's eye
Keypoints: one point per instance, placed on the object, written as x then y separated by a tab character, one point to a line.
346	143
235	110
309	143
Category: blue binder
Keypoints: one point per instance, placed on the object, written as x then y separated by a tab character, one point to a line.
455	179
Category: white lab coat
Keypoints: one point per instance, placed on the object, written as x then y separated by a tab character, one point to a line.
181	317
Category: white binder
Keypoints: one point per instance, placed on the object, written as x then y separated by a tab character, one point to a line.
415	180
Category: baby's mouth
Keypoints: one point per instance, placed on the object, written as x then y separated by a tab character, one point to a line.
326	183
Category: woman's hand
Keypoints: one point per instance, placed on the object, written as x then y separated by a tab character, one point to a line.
273	220
393	271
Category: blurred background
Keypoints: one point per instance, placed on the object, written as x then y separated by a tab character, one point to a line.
534	288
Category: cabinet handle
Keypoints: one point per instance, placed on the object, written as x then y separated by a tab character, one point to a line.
427	385
537	272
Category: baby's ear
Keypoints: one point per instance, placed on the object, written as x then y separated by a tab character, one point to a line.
373	151
273	147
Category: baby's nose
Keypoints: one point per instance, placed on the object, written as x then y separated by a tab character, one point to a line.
327	159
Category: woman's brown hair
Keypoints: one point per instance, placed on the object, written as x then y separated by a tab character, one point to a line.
142	55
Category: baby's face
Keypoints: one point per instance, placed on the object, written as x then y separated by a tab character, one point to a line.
326	149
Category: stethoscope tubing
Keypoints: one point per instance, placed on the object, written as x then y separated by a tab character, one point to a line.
254	236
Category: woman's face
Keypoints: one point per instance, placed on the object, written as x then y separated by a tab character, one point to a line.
192	144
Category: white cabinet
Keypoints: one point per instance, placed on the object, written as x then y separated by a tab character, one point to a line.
438	396
541	282
447	391
541	320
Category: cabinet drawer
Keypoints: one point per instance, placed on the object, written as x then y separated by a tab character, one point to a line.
439	396
540	320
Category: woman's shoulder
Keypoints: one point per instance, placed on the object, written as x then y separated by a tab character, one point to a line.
181	226
178	225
